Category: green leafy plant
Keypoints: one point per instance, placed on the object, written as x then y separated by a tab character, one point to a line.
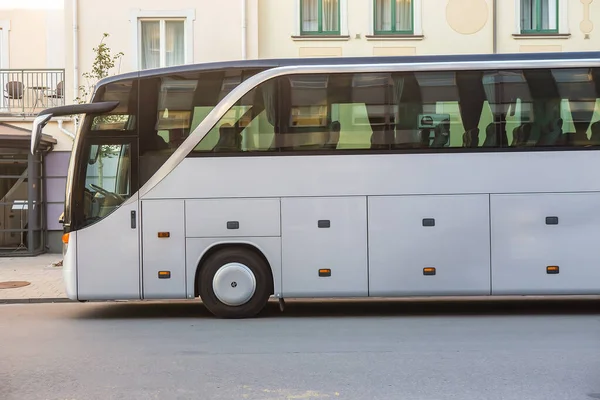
104	61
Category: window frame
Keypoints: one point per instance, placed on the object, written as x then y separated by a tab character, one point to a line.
393	31
538	22
162	39
320	31
137	16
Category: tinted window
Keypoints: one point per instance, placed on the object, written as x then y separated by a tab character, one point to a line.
172	106
556	108
122	119
413	110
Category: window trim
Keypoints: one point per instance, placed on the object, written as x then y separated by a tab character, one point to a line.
334	35
393	31
562	21
417	24
137	15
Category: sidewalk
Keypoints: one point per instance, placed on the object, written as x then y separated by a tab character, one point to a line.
44	281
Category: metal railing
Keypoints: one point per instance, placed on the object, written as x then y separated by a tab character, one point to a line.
26	92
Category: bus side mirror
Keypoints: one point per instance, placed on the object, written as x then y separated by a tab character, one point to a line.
36	131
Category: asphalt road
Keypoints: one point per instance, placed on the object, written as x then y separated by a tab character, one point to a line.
337	350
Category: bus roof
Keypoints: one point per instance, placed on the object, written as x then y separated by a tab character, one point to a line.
281	62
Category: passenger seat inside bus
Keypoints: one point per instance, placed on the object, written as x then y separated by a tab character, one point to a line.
441	135
230	140
550	133
521	135
492	136
154	152
595	136
382	136
471	138
333	136
573	139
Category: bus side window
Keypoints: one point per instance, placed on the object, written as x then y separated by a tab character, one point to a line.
249	124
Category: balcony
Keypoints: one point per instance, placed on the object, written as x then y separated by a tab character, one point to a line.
26	92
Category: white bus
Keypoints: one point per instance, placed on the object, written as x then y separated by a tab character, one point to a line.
353	177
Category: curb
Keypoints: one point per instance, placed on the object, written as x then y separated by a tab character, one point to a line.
37	300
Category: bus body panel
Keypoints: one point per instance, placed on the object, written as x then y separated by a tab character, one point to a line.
108	256
410	233
69	269
525	243
396	175
163	241
381	175
232	218
196	248
324	233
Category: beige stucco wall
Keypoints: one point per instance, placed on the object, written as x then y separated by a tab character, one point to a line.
33	37
447	27
576	41
36	40
280	17
216	30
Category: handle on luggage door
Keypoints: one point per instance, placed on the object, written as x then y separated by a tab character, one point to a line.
133	219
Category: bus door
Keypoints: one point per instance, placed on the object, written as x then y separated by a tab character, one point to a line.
108	252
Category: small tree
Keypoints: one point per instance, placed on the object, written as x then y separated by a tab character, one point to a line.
104	61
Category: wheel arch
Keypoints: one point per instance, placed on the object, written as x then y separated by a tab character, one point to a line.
216	247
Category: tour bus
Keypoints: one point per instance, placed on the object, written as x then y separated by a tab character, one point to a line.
235	182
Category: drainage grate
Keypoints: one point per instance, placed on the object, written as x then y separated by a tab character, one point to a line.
13	284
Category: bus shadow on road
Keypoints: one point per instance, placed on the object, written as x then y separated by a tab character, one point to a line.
354	308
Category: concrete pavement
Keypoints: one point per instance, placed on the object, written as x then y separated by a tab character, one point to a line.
336	350
44	279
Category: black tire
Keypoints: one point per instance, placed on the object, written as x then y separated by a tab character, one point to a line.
262	274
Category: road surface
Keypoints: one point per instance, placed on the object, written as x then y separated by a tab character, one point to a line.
338	350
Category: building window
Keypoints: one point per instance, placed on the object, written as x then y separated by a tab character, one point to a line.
162	43
320	17
393	17
539	16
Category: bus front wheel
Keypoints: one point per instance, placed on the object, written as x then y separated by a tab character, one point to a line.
234	283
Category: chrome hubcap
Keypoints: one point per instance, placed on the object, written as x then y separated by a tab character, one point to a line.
234	284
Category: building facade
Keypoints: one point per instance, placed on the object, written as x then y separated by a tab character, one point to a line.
32	72
155	33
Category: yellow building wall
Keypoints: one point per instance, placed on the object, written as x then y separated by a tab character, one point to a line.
216	30
445	29
580	35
